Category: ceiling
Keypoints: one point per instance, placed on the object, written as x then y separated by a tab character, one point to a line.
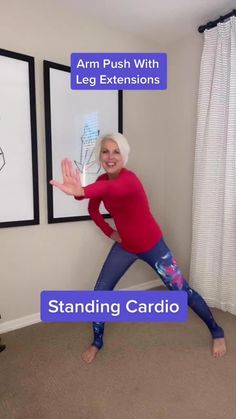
163	21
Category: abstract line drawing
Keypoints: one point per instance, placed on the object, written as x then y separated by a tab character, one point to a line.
87	161
2	159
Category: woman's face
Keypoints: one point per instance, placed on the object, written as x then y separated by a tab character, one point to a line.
110	157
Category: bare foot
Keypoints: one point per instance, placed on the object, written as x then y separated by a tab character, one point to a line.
89	355
218	347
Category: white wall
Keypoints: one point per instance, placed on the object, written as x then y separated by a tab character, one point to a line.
69	255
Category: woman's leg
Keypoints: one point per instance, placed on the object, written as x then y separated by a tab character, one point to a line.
162	261
115	266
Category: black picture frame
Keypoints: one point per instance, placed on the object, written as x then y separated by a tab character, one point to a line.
77	115
18	141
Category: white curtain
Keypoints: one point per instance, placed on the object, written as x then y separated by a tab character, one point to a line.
213	258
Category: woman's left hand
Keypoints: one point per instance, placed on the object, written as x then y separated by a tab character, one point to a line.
115	236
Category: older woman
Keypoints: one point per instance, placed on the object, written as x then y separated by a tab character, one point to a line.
138	236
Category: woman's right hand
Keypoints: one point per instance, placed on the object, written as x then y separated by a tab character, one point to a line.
116	237
71	180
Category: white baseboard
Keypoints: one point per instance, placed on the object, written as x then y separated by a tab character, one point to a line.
145	286
19	323
35	318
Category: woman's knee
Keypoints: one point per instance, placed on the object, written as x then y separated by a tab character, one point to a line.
169	271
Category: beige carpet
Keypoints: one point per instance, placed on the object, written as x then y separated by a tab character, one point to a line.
145	371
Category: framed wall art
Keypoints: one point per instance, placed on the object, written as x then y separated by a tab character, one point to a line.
74	120
19	204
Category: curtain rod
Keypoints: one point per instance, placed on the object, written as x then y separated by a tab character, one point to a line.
221	19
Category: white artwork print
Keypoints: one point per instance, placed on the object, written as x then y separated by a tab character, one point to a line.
16	179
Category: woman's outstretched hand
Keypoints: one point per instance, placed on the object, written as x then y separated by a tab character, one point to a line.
71	180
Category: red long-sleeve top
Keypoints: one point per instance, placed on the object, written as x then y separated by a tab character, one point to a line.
126	201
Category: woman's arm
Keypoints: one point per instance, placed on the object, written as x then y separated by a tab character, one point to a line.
93	209
122	186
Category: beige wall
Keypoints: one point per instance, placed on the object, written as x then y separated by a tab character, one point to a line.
69	255
178	147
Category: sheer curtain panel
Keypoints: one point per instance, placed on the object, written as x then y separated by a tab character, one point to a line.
213	256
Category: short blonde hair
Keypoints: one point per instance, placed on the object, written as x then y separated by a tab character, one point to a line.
120	140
